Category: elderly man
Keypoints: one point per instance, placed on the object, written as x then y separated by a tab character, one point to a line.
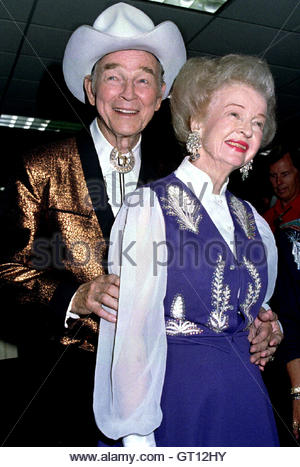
69	194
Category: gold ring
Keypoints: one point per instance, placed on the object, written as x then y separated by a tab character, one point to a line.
271	359
296	425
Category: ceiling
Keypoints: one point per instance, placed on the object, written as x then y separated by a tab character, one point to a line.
34	33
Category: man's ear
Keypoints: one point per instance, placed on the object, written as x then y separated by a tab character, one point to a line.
160	98
88	90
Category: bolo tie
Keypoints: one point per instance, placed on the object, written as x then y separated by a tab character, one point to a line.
122	163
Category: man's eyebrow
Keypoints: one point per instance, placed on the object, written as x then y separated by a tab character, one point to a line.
147	70
111	66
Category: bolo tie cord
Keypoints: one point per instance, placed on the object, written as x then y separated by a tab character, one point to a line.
122	187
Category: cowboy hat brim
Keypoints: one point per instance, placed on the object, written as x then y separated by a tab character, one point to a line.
87	45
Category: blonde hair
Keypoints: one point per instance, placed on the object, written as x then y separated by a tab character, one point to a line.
201	76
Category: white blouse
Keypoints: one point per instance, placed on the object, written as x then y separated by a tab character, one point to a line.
131	355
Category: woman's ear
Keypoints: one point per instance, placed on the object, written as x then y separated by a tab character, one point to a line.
196	125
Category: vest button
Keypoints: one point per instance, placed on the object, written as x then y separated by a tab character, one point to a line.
232	267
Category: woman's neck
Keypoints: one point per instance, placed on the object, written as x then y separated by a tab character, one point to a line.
216	172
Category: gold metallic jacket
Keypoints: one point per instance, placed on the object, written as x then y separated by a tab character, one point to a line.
56	231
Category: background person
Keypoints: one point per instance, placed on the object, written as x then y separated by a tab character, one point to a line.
283	377
175	370
286	301
285	181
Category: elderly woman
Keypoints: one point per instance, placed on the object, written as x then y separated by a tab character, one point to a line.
196	264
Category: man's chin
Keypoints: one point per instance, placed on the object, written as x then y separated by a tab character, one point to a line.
283	196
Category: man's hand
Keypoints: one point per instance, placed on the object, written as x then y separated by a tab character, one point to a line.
264	335
89	298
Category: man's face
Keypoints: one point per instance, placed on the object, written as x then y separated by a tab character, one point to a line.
285	179
126	95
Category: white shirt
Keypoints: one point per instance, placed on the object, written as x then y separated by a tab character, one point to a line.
131	356
215	205
111	177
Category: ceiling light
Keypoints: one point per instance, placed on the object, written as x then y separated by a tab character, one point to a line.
209	6
31	123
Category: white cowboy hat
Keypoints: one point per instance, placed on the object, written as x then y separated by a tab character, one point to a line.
121	27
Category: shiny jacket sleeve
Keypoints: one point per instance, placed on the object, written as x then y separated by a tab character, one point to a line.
50	234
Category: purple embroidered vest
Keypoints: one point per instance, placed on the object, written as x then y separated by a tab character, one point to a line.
209	290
